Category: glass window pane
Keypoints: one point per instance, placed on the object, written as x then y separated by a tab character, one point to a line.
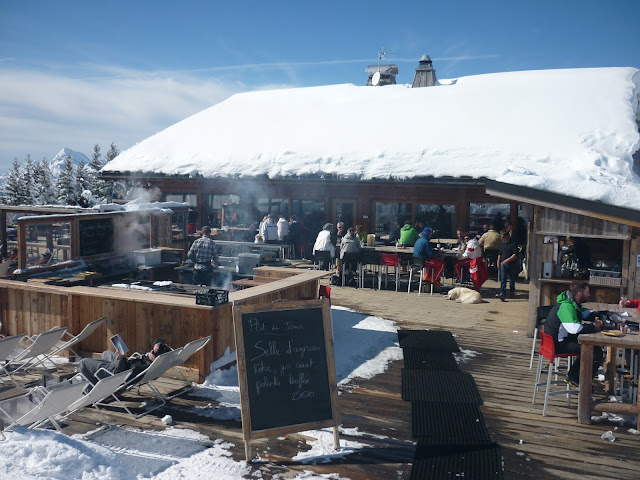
389	213
213	209
277	206
440	218
190	198
481	214
310	213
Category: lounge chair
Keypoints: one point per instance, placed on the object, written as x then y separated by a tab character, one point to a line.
7	347
187	351
54	402
105	388
39	347
86	331
159	367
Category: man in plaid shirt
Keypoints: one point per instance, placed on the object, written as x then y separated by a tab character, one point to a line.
204	255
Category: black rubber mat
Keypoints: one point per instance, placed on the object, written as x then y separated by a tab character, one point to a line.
421	358
443	463
439	386
438	423
434	340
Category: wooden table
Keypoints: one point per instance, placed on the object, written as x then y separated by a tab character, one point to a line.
389	249
585	403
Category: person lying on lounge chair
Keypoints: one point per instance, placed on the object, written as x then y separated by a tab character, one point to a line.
115	362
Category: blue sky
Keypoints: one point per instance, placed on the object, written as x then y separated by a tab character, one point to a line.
77	73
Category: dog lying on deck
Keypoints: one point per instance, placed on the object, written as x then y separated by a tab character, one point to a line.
464	295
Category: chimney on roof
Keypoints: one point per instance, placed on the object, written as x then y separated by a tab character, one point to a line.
425	73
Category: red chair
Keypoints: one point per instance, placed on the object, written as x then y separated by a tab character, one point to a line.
389	260
548	351
325	291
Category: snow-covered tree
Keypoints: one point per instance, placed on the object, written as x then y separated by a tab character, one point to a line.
27	181
93	171
82	182
13	184
66	184
112	153
43	191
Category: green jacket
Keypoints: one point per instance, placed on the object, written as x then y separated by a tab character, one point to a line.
408	235
566	318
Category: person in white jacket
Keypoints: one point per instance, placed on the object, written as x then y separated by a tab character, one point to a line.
323	244
472	250
269	230
283	230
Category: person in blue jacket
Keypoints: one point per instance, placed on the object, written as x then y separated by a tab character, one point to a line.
422	248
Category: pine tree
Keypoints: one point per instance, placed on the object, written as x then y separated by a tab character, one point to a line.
82	182
93	172
42	194
27	195
12	186
112	153
66	184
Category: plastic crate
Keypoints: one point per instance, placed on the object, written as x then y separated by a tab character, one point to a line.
212	297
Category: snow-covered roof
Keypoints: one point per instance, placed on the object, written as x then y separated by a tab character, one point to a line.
572	131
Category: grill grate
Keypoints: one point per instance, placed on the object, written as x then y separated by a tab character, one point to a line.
438	423
439	386
443	463
416	358
434	340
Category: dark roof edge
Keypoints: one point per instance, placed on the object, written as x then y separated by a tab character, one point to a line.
447	180
567	203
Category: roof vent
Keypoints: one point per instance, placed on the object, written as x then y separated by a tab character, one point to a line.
425	73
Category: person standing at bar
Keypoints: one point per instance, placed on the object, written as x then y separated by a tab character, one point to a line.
204	255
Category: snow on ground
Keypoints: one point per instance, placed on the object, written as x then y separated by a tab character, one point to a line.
363	347
567	130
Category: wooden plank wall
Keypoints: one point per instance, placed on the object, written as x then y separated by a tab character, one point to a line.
31	308
557	222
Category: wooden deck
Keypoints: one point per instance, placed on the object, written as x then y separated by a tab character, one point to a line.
534	447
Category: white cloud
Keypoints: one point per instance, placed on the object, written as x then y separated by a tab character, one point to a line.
40	113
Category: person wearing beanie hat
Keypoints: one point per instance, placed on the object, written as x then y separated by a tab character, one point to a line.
422	249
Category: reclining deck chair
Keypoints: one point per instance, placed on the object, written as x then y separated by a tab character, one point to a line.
86	331
159	367
106	387
54	402
39	347
7	347
187	351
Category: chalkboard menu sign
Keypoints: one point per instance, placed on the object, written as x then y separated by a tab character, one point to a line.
96	236
285	367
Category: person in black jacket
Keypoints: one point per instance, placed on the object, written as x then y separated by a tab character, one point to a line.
115	362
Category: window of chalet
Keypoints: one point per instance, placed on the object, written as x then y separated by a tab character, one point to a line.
190	198
486	213
310	213
440	218
389	213
277	206
213	208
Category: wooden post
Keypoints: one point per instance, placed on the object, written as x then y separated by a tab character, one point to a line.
3	229
586	367
22	246
533	267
